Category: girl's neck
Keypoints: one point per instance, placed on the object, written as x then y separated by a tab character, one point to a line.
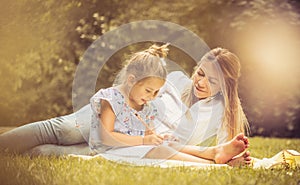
125	90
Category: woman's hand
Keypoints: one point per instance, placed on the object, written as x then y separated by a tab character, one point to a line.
152	139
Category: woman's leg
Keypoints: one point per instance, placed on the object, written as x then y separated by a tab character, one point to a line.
220	153
165	152
58	150
241	160
60	131
27	136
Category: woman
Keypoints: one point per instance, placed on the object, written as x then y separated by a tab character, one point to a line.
206	106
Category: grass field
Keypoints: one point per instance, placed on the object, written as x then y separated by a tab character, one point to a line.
65	170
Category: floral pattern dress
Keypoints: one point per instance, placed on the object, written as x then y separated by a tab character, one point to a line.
126	122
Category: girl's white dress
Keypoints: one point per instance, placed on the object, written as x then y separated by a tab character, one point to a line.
126	123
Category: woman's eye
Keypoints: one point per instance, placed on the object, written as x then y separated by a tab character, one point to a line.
212	81
148	91
201	76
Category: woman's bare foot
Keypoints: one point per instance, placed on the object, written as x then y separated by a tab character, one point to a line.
246	141
238	161
228	150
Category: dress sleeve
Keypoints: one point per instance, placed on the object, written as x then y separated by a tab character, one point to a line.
109	95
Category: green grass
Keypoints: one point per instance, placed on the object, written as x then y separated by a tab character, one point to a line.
67	170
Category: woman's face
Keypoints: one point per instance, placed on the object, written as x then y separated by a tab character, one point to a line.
204	85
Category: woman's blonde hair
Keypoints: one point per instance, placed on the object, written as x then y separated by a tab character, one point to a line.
144	64
234	119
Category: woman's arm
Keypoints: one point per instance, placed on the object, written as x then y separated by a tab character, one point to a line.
111	138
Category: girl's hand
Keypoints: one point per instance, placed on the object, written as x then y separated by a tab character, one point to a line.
152	139
149	132
170	137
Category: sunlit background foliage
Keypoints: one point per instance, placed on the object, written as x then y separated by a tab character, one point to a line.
41	43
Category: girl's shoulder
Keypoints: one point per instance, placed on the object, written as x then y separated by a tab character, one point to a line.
112	95
109	94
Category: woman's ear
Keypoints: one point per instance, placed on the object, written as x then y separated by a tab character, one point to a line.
131	80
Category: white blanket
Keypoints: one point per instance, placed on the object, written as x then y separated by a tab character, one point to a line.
150	162
285	158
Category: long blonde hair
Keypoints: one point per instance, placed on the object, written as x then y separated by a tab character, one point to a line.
234	119
146	63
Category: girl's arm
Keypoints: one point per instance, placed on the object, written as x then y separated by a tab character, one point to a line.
111	138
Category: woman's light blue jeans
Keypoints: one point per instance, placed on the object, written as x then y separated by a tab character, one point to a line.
54	136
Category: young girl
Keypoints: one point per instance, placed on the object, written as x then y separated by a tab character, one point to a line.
123	113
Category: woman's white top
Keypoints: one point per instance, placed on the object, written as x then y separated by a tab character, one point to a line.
194	125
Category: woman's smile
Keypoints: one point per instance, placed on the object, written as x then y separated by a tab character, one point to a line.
199	88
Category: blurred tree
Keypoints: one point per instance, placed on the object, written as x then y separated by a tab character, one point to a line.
39	52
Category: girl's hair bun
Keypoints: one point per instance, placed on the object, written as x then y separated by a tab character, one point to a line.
159	51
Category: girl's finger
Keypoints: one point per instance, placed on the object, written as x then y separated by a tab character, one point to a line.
156	143
160	137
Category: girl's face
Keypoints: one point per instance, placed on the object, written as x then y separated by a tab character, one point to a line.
203	85
144	91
